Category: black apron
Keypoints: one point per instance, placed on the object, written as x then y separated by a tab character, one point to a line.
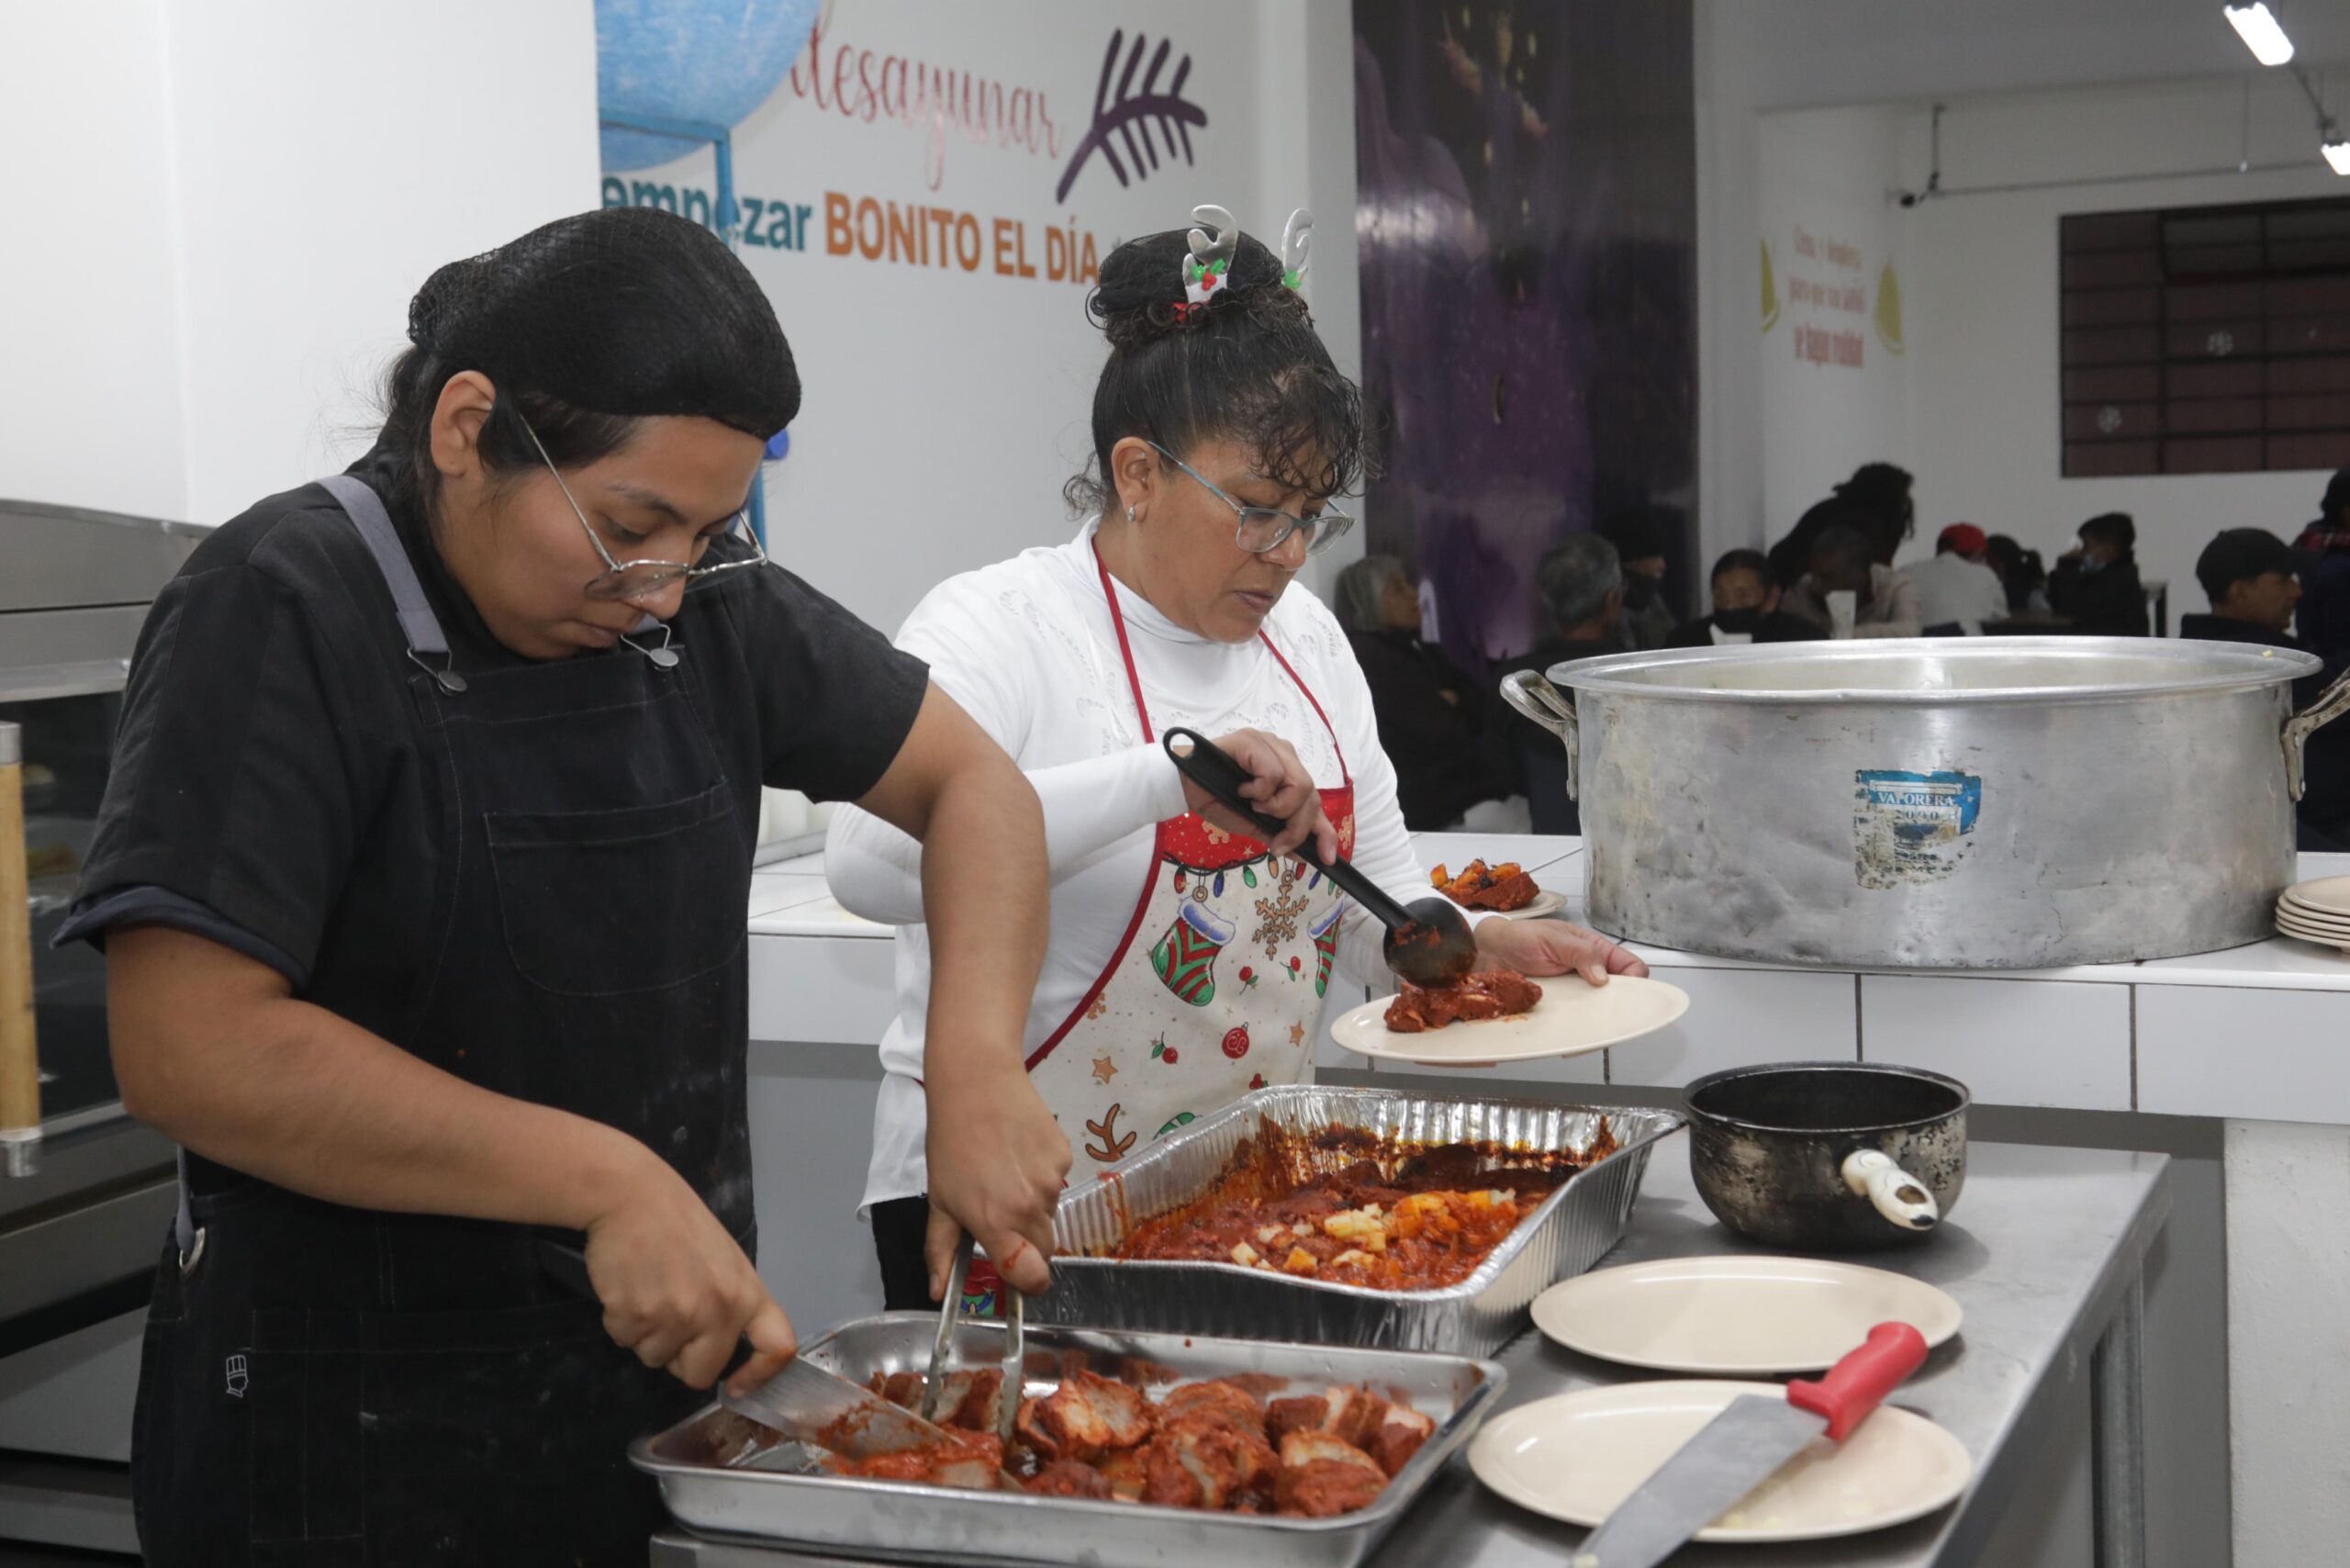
324	1385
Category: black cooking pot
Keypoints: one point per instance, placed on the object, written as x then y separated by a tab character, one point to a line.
1828	1157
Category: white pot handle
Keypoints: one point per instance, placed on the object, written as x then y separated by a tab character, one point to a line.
1898	1197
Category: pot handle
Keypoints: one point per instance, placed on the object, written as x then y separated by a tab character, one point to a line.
1544	703
1898	1197
2301	725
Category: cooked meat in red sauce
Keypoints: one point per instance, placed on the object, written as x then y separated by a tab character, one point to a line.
1213	1445
1348	1208
1479	886
1488	994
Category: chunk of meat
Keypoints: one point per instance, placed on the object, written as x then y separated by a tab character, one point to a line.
899	1387
1322	1476
1028	1429
970	1399
1480	886
1068	1478
1399	1436
1205	1460
1229	1398
1488	994
1088	1416
1124	1472
1344	1411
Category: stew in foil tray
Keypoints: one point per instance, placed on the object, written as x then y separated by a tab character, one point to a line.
1348	1207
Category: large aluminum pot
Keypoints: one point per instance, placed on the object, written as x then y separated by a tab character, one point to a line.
1982	803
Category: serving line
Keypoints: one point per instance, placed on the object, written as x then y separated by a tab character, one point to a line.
2046	1258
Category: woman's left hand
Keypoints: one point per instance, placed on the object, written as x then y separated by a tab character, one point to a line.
1553	948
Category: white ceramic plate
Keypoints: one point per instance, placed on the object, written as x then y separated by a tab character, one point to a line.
2315	919
2327	895
1572	1018
2312	925
2338	939
1542	904
1576	1456
1736	1316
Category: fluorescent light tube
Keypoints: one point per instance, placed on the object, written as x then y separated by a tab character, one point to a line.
2338	154
2261	33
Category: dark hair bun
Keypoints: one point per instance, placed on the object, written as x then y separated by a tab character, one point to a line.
1142	283
619	311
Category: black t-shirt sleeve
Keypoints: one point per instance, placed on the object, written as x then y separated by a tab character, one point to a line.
835	701
231	784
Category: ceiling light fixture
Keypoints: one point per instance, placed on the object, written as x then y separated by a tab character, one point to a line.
2261	33
2337	152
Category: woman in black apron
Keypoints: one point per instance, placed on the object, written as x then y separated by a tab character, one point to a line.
423	874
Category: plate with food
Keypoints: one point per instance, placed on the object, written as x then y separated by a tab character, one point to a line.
1506	889
1498	1015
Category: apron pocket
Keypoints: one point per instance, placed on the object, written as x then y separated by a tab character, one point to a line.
604	903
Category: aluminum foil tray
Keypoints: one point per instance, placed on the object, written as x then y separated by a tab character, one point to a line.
708	1464
1574	1228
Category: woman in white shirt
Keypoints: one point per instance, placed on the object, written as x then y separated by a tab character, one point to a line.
1187	961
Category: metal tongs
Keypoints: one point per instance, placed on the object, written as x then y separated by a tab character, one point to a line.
1015	1355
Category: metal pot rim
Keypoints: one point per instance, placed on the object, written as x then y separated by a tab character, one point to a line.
2204	668
1715	1118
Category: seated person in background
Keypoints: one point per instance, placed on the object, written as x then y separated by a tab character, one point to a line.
1746	607
1639	537
1875	499
1956	588
2325	579
1443	732
2253	579
2021	573
1849	594
1580	586
2095	582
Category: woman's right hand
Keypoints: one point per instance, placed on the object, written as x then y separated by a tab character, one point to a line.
676	1289
1281	787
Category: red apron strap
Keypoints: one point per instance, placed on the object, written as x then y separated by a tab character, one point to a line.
1126	649
1344	774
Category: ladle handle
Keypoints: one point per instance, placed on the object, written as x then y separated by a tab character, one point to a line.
1210	767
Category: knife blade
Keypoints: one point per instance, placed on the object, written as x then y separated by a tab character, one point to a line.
1737	1451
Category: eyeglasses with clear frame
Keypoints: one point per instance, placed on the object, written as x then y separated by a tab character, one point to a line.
1263	530
630	580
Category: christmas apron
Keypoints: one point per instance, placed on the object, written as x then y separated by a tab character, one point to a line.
1212	991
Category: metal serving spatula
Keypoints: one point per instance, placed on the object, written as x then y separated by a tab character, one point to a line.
1738	1450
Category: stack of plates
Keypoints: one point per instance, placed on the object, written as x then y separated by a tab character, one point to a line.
2317	912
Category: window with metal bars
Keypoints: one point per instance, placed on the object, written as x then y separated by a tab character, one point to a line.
2206	340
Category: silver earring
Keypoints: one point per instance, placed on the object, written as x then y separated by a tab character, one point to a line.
1130	514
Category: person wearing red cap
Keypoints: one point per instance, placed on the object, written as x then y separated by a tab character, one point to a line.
1956	587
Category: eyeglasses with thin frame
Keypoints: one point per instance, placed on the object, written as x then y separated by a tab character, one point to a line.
642	579
1263	530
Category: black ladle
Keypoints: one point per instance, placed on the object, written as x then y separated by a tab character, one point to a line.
1427	941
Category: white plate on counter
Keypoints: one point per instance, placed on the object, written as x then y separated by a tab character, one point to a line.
1573	1017
1576	1456
1542	904
2327	896
1741	1316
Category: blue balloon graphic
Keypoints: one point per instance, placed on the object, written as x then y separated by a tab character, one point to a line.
704	60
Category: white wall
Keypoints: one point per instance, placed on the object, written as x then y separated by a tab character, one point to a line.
242	197
1730	223
1984	385
1834	381
946	407
90	368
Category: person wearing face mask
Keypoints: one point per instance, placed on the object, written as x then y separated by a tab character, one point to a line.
2096	584
1956	587
1639	536
1746	607
1187	959
1440	728
1848	593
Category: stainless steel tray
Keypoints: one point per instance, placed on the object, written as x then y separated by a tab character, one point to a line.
701	1461
1574	1228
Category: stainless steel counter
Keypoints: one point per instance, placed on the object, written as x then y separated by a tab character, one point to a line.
2044	1252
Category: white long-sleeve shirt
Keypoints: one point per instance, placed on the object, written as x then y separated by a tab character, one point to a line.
1026	646
1952	589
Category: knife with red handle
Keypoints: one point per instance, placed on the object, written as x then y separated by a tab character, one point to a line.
1738	1450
